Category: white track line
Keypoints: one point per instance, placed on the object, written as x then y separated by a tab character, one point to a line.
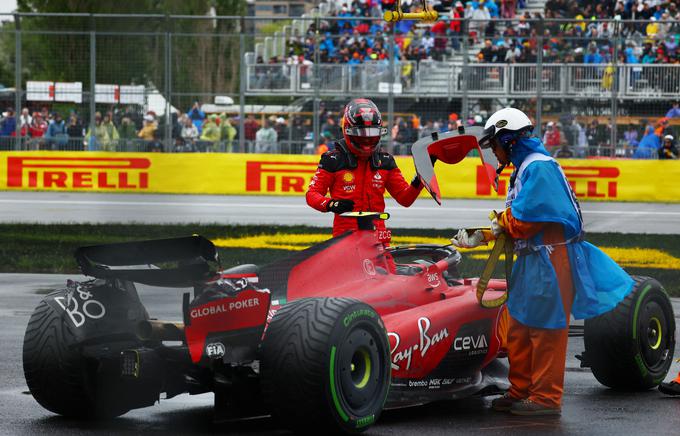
295	206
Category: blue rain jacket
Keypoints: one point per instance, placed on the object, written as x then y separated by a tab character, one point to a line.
542	194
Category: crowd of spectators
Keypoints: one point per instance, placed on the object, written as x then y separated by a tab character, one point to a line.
196	131
357	34
499	32
354	32
587	39
124	129
647	139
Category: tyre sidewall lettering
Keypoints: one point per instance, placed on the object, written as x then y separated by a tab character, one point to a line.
79	311
638	356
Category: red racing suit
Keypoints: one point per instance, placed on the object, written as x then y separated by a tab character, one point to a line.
362	181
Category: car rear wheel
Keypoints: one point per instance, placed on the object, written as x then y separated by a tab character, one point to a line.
325	362
72	349
58	376
631	347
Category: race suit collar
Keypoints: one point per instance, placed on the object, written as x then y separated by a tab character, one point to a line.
374	160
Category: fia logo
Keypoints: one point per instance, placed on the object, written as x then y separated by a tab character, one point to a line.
215	350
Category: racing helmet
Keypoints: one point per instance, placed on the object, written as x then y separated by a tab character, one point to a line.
505	126
362	127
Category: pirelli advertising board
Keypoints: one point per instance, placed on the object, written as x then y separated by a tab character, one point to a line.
259	174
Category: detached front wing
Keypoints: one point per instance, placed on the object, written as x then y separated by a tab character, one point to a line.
228	328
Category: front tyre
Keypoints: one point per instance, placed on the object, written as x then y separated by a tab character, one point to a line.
325	362
631	347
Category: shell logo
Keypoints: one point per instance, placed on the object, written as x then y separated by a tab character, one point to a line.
348	177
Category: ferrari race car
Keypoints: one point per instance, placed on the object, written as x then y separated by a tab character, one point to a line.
325	338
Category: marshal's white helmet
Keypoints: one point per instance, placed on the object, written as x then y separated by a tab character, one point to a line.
505	125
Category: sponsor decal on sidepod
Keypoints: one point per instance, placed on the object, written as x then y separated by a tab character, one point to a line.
224	307
426	340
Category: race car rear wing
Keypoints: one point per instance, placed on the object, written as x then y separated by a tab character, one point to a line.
176	262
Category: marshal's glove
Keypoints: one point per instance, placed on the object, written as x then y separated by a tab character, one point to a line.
340	206
496	227
463	239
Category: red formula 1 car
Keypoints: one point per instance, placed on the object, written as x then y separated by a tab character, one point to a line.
329	336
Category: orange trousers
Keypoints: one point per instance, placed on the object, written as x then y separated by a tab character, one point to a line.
538	356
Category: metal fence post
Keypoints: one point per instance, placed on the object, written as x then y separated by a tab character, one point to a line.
316	83
17	80
539	78
390	92
242	94
93	79
615	88
465	110
168	85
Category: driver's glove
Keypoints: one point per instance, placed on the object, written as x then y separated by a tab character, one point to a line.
340	206
463	239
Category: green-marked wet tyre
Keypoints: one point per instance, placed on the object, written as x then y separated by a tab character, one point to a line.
631	347
325	365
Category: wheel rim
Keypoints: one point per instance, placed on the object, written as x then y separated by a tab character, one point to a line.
360	370
653	339
654	333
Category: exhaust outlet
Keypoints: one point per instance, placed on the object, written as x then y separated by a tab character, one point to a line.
154	330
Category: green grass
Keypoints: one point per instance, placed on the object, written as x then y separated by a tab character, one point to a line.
30	248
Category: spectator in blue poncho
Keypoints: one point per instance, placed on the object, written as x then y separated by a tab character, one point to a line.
674	112
648	145
493	8
197	116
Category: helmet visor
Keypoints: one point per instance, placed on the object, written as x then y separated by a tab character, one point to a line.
485	141
494	137
365	131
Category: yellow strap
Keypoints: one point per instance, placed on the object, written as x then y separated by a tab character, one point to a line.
503	244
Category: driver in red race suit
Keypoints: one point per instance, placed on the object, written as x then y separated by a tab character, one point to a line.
357	173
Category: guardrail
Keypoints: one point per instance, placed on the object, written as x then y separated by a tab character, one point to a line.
444	79
8	143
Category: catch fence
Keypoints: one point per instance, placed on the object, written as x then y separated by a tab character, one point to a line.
234	76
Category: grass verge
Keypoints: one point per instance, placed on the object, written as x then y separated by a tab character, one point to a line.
49	248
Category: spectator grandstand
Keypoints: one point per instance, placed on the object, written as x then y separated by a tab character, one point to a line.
605	75
585	49
357	34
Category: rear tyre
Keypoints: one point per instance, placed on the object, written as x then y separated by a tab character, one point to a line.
631	347
71	356
325	364
58	376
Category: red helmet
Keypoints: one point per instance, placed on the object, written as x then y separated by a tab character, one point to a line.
362	127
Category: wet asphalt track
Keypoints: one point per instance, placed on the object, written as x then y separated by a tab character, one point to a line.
53	207
588	409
